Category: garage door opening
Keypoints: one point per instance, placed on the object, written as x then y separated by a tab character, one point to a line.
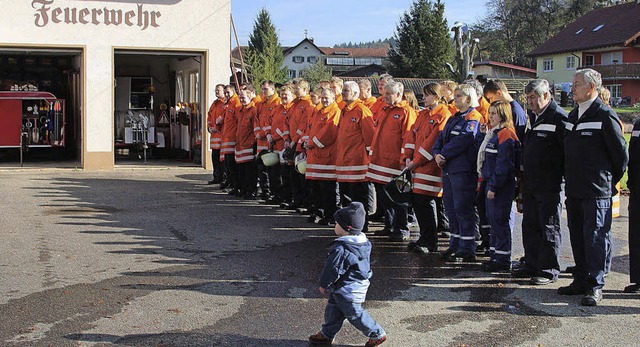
40	107
158	108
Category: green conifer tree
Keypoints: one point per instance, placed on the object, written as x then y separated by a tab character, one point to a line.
264	54
422	42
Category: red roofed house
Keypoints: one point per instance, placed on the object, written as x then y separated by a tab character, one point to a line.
496	69
605	40
341	60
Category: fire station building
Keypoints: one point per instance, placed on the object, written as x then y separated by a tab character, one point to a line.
98	82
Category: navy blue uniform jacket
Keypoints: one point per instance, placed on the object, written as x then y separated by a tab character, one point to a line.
543	151
595	153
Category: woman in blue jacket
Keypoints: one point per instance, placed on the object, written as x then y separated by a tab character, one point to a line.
455	151
497	163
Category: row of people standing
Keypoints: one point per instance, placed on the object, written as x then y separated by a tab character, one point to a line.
353	141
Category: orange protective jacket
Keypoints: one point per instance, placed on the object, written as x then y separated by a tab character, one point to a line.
216	110
230	126
245	137
340	102
427	177
305	132
386	147
280	127
453	109
265	113
299	114
377	108
323	133
483	109
369	102
355	133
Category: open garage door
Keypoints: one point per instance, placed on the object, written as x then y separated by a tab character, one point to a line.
40	106
158	107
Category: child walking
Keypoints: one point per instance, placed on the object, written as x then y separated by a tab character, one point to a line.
345	280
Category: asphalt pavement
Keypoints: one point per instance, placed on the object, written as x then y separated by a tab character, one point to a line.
156	257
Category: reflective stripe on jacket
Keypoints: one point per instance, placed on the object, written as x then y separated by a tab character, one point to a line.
355	133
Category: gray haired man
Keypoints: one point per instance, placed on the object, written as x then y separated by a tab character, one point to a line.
595	160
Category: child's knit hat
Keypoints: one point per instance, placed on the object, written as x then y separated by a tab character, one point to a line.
351	218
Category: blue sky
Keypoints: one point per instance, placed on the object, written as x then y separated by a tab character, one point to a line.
332	22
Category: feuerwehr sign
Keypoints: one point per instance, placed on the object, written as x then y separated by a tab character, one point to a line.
47	13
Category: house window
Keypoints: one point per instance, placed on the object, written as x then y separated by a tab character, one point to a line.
571	62
589	60
616	90
339	61
312	59
292	74
368	61
611	58
547	65
298	59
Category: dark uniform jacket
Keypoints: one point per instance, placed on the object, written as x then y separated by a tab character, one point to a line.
595	153
634	159
457	142
500	160
543	150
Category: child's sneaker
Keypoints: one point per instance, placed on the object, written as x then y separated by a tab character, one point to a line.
319	340
376	342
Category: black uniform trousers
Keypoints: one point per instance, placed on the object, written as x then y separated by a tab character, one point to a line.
541	236
327	195
589	222
263	177
231	170
286	173
247	177
426	210
356	191
218	169
395	216
634	237
443	220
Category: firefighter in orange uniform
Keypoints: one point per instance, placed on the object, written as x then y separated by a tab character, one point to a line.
355	133
386	157
270	100
216	110
336	84
365	94
312	202
376	108
427	176
321	156
448	87
229	129
280	138
300	113
245	144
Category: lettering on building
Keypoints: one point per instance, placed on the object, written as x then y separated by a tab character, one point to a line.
47	13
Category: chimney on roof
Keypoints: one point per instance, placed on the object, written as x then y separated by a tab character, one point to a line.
311	38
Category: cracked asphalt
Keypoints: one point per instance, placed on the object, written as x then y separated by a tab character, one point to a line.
155	257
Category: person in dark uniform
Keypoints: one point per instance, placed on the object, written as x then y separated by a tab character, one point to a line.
456	153
595	160
543	168
634	210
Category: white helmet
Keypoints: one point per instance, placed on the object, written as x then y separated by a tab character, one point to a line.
270	159
301	163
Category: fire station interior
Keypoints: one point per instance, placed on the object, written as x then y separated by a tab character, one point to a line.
40	103
158	108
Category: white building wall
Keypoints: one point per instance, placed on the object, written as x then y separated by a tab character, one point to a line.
304	50
160	25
